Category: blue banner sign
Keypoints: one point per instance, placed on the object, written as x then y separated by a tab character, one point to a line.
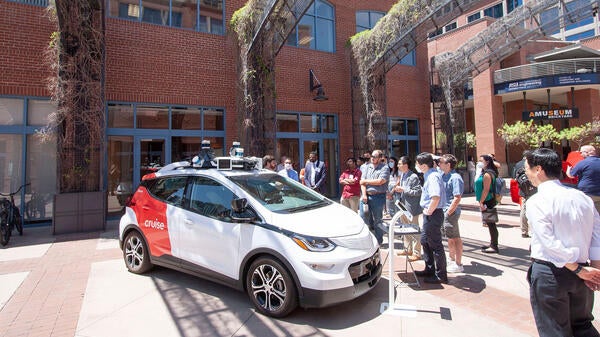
546	82
551	114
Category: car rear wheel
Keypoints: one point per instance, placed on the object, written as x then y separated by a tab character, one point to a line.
271	287
136	254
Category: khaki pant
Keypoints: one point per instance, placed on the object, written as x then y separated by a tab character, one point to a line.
596	200
351	203
412	243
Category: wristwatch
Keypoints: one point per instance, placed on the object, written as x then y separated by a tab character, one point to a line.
578	269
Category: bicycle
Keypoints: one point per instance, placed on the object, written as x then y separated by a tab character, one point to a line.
10	216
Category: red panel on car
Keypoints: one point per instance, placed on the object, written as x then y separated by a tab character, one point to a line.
152	219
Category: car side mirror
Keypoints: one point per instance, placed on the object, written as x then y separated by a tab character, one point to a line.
239	205
240	211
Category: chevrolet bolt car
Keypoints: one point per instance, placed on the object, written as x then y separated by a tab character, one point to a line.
251	229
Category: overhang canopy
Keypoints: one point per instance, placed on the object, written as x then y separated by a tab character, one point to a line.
574	51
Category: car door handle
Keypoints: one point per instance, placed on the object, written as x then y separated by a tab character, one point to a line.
188	222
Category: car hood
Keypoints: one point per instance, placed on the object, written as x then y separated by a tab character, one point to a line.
329	221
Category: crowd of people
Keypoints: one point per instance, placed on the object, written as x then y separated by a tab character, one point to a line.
563	222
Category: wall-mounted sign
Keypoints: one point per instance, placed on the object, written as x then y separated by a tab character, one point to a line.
551	114
546	82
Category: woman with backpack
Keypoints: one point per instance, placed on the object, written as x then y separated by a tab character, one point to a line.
484	192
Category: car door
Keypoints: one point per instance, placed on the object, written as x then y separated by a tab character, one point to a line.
207	236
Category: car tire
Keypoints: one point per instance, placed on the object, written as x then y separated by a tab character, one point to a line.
271	288
136	254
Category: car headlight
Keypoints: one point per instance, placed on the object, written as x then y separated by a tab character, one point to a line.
313	244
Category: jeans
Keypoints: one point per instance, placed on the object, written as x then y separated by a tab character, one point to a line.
374	216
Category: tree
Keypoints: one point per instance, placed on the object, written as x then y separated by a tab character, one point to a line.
582	134
527	134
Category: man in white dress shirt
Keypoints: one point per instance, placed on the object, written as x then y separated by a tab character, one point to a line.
565	229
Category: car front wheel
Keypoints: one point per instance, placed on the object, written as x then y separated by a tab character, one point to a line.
271	287
136	254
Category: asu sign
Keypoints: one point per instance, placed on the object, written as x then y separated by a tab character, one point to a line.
551	114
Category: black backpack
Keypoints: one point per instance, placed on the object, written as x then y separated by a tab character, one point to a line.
525	186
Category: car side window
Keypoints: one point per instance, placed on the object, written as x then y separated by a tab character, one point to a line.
209	198
169	189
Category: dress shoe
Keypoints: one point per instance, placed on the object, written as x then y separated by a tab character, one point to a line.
525	235
490	250
425	273
436	280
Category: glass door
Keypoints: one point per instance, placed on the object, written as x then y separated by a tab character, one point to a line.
152	155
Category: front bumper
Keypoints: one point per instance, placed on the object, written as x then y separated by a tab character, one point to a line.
313	298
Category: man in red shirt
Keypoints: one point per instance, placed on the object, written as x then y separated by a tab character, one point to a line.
350	180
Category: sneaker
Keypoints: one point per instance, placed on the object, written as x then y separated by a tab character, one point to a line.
525	235
450	263
455	268
403	252
490	250
414	258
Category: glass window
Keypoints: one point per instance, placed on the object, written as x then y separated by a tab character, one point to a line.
155	11
324	32
410	59
211	16
494	11
10	162
511	5
200	15
450	27
42	3
315	29
548	20
368	20
287	123
152	117
184	148
170	189
120	115
11	111
120	171
398	127
214	119
474	17
211	199
186	118
41	174
586	21
38	111
580	36
329	124
412	127
309	123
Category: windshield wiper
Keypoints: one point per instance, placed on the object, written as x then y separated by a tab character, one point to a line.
307	207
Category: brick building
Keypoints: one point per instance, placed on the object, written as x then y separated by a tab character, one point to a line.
171	82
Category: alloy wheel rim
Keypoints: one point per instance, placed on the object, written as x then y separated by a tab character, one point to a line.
268	287
134	252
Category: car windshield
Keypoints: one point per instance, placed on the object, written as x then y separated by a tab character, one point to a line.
278	193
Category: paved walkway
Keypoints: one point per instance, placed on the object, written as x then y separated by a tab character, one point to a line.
77	285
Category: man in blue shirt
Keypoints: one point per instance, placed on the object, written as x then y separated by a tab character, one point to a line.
454	185
588	172
433	216
373	190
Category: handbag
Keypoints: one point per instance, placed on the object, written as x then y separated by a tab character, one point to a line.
489	215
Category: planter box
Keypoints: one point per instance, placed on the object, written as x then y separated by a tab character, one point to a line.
79	212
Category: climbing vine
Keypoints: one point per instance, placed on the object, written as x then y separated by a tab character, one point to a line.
76	57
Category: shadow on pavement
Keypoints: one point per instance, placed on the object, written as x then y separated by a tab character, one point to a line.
198	305
511	257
